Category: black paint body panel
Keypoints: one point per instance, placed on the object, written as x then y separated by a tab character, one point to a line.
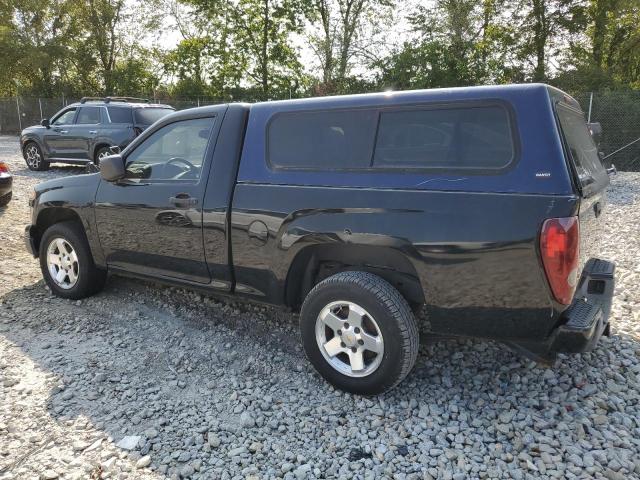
142	231
474	283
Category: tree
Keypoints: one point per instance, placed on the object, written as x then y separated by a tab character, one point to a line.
615	38
253	44
132	76
343	30
546	29
102	22
249	49
604	52
263	28
186	60
541	31
33	39
458	42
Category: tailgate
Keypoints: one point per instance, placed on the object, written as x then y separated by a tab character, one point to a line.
590	178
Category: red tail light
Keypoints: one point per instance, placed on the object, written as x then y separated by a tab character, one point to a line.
559	247
4	168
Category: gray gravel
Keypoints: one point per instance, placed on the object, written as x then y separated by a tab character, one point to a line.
144	381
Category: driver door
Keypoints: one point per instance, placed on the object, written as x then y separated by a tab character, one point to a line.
150	222
57	141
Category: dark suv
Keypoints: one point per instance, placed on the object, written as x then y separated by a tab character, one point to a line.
84	132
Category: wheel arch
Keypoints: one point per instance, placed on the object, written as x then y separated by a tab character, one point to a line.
32	139
97	147
50	216
314	263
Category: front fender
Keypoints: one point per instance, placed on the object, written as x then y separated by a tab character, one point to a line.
68	198
32	137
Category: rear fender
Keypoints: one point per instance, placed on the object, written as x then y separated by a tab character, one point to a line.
314	263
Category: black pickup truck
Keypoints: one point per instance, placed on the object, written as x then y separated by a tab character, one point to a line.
480	206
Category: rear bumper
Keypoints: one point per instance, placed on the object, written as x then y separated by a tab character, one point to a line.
584	322
587	319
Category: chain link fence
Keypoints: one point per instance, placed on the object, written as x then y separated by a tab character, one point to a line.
617	111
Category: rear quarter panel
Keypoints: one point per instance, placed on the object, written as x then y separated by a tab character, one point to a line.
480	273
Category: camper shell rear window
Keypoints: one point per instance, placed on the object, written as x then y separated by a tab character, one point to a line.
582	150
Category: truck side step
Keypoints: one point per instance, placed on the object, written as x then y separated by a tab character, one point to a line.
583	316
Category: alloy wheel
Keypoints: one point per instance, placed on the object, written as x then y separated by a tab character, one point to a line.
102	154
33	156
349	339
62	262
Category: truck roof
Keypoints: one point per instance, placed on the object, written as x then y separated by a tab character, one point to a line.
405	96
431	94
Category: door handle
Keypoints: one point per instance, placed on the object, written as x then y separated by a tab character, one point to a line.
93	132
183	200
60	131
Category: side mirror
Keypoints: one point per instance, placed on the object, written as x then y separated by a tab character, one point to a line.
45	122
115	149
112	168
595	128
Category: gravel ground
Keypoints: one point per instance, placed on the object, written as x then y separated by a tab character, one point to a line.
144	381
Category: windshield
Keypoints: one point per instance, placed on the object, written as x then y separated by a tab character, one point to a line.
146	116
583	152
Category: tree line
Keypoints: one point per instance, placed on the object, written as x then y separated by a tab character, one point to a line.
268	49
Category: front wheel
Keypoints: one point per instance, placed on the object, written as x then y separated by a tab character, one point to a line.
34	158
66	262
359	333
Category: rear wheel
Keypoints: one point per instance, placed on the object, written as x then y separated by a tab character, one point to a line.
34	158
66	262
359	333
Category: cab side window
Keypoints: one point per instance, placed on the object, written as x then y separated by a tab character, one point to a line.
65	118
175	152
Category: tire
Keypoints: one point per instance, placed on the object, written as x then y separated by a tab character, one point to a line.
34	157
386	324
4	200
88	278
101	152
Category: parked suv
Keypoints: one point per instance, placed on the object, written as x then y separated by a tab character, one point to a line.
483	204
84	132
